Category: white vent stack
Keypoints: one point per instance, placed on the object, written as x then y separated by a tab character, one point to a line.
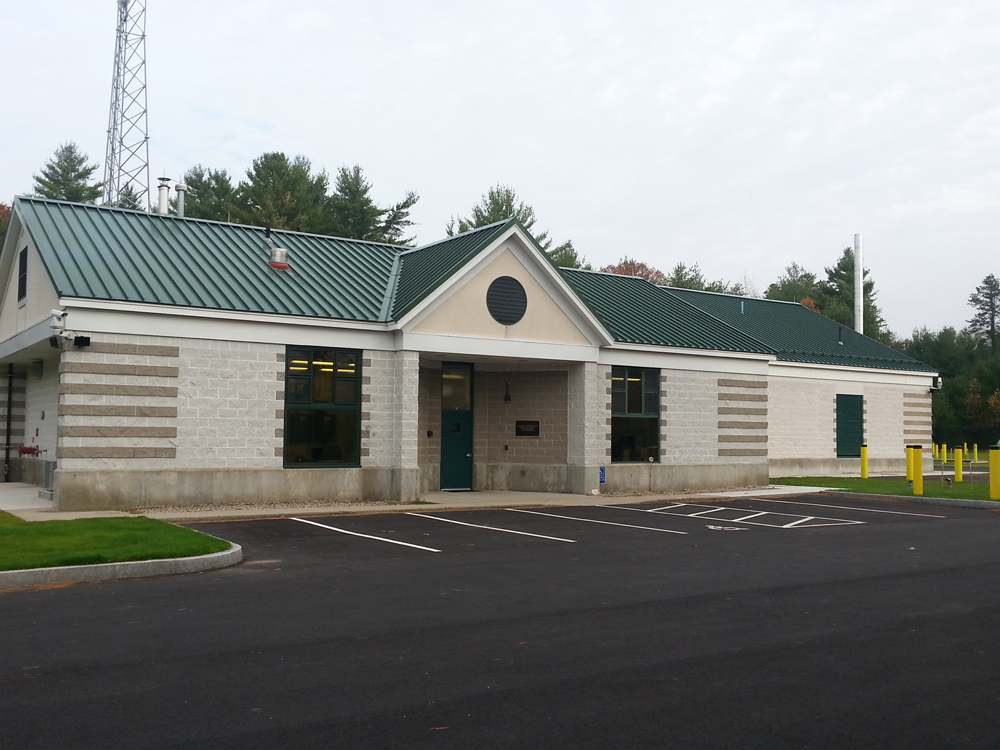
181	188
859	286
163	203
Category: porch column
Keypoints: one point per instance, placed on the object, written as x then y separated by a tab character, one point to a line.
589	425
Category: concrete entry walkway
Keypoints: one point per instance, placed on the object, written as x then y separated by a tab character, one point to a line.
22	500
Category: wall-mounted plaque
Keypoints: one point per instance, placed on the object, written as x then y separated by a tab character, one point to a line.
527	428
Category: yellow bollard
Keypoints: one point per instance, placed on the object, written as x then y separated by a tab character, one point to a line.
944	453
958	464
975	453
864	461
994	473
934	452
965	449
918	469
909	463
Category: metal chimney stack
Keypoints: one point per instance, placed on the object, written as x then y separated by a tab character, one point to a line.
163	204
181	188
859	286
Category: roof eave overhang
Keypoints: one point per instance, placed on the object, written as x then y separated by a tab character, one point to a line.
853	368
217	314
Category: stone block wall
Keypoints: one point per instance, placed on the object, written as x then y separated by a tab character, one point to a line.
429	426
535	395
138	402
589	414
707	419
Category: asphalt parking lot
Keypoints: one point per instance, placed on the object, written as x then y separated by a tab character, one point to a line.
825	621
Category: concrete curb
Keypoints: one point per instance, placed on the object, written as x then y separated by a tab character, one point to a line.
954	501
11	579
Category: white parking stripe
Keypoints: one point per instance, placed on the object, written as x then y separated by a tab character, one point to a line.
701	516
845	507
793	524
365	536
752	515
491	528
592	520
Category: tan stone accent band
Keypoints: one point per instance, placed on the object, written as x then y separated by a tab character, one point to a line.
742	451
742	397
926	396
96	410
117	453
101	368
742	425
94	389
144	350
742	383
114	432
745	410
918	421
742	438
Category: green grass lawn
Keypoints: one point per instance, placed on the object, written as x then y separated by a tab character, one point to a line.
44	544
978	490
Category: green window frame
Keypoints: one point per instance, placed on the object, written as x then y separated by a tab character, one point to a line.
635	414
322	407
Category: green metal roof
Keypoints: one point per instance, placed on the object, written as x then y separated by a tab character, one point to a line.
799	334
423	269
94	252
113	254
635	311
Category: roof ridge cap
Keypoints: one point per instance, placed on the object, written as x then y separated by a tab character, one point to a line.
455	236
174	217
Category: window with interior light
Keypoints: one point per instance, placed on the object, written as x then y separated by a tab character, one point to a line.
635	414
322	407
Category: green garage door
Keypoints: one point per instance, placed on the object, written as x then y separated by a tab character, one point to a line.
850	425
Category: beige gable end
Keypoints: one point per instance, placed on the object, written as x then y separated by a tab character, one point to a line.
16	315
464	313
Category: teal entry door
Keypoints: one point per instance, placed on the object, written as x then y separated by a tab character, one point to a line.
456	426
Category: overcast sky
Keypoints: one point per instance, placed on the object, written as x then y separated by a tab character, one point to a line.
742	136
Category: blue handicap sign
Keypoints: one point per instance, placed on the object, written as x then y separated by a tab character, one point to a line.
603	470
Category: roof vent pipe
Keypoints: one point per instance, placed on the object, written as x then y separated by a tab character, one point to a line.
163	202
181	188
859	286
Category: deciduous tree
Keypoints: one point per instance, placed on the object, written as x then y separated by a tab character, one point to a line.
4	220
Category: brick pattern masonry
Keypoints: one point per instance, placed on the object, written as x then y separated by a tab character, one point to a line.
118	401
917	419
742	417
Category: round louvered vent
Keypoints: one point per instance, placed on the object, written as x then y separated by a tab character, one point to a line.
506	300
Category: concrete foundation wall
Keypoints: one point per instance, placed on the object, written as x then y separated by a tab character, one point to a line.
669	478
831	467
89	490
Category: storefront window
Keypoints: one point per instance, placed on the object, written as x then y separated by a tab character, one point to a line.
322	407
635	414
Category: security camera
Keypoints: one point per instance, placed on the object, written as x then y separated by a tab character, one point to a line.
58	313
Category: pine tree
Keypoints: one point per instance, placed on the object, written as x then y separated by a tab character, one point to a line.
66	176
986	301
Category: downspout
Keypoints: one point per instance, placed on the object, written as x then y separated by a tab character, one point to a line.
10	403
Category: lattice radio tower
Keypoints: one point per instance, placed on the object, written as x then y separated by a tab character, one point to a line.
127	161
